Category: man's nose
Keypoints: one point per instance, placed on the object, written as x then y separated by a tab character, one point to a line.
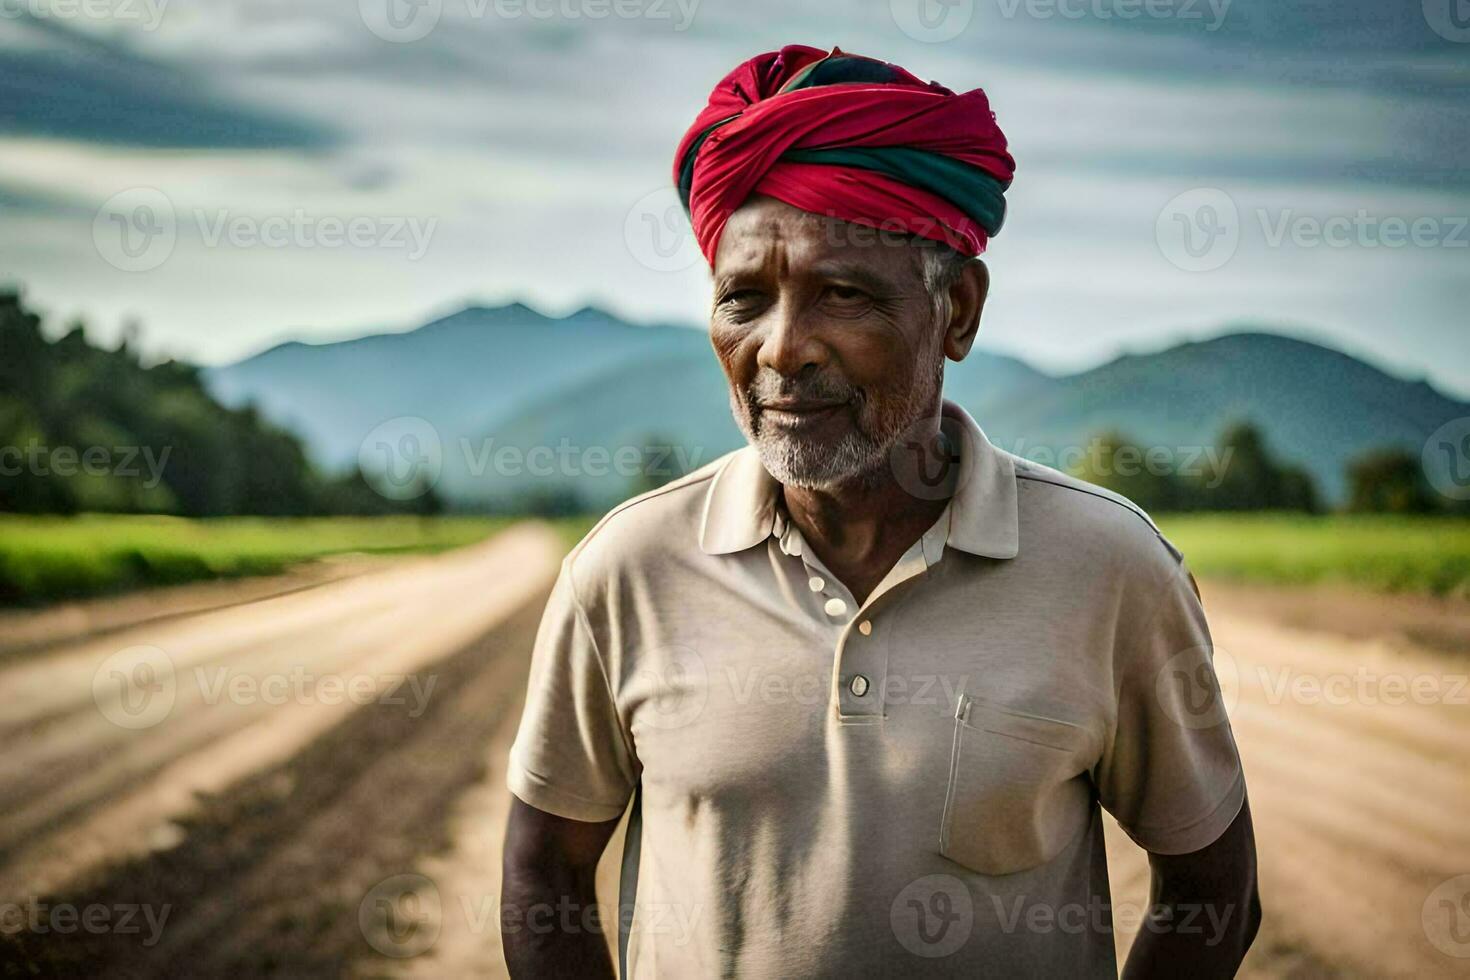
791	347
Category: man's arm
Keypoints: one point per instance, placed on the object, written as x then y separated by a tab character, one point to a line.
549	927
1204	909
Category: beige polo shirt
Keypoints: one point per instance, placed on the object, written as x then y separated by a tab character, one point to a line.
904	786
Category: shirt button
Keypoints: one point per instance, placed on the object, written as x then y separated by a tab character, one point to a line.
815	583
859	685
835	607
865	627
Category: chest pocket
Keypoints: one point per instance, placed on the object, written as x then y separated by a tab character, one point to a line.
1018	790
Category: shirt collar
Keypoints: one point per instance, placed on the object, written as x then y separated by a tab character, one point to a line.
741	507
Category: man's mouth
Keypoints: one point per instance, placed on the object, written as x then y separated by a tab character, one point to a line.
795	411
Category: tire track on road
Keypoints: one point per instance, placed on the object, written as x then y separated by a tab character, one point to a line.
117	787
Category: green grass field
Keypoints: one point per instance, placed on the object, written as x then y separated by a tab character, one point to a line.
1383	553
47	558
43	558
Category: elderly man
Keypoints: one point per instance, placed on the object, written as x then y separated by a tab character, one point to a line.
864	685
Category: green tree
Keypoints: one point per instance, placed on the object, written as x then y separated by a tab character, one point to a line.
1388	481
1117	463
157	441
1254	480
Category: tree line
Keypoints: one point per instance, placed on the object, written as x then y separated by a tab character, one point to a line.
84	428
1246	475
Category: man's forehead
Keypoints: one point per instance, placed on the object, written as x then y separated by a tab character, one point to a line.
764	228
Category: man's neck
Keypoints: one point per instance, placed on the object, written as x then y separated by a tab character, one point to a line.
859	529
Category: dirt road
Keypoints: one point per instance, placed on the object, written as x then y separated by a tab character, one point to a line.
1357	755
310	784
221	790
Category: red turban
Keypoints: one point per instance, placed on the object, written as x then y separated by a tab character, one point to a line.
850	138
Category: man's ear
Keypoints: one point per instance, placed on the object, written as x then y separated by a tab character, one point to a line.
966	303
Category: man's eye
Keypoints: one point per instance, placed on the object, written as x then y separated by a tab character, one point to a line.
741	297
846	294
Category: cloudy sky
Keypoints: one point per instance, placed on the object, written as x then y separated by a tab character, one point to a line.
235	172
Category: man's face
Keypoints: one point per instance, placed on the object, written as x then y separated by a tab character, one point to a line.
829	340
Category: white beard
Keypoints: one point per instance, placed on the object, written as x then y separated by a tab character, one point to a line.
861	455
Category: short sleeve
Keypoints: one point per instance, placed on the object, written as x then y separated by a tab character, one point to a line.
570	756
1170	772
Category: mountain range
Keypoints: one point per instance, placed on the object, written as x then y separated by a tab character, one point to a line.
589	388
